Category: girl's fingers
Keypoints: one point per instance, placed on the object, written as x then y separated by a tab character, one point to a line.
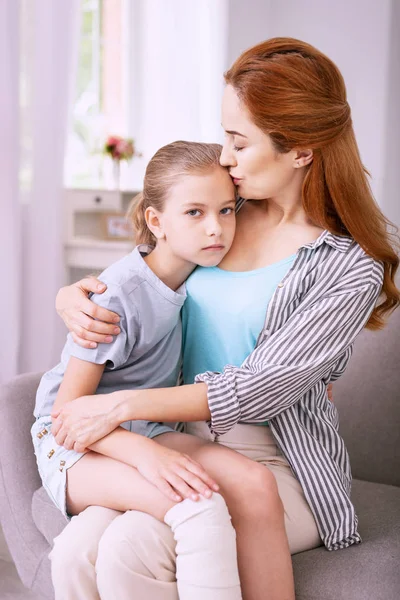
194	482
166	489
201	473
178	482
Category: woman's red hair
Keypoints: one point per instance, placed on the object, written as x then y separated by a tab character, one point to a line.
297	95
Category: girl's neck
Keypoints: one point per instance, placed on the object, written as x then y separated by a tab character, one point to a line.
171	269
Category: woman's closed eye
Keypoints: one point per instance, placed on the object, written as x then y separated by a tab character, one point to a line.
238	148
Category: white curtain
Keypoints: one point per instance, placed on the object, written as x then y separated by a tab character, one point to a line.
38	56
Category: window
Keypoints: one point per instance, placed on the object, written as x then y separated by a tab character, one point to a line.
99	102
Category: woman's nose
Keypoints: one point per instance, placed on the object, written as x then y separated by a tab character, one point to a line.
227	158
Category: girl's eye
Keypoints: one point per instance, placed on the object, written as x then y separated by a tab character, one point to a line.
226	211
193	213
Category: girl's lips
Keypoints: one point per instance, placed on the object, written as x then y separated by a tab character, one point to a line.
215	247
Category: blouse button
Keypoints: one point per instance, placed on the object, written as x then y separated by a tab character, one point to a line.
280	285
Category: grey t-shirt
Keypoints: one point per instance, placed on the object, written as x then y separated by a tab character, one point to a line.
146	354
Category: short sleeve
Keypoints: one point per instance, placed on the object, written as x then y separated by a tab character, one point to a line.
117	353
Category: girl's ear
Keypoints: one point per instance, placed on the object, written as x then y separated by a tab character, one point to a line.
153	221
303	158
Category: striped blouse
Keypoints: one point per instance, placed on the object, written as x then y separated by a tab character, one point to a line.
312	320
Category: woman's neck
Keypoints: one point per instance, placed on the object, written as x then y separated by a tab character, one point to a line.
168	267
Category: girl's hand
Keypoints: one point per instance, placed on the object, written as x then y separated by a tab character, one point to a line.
80	423
176	475
88	323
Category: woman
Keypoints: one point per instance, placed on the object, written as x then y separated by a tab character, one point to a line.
291	151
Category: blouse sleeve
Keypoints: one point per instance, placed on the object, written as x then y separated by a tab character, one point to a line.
295	358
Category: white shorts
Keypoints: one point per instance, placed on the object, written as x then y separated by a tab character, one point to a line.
53	460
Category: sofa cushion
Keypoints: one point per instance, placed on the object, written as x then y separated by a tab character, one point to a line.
369	571
367	397
47	517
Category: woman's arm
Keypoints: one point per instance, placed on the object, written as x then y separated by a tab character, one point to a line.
88	323
275	376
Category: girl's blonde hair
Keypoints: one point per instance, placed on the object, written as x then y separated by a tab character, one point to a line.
164	170
297	95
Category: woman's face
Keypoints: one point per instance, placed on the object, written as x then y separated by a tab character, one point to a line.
257	169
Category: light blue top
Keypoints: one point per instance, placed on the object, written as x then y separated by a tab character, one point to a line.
224	314
147	352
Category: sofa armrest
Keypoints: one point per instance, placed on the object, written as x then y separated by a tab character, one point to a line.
19	478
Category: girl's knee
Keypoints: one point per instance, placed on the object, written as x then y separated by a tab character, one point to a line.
136	544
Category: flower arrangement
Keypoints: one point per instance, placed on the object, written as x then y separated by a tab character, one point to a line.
119	149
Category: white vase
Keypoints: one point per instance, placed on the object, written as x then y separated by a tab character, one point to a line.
117	173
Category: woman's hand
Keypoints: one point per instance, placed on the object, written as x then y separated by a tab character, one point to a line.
80	423
172	472
88	323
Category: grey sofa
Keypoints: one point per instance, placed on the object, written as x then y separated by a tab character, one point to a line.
368	396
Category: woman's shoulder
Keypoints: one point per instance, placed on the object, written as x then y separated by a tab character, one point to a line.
363	267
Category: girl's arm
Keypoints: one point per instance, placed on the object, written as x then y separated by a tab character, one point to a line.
81	378
88	323
168	470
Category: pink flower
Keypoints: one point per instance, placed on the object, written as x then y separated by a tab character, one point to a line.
120	148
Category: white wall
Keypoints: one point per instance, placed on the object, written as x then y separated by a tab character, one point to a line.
391	176
178	55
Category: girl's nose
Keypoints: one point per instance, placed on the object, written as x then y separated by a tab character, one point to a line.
213	227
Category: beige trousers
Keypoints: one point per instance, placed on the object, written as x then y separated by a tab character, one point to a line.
103	554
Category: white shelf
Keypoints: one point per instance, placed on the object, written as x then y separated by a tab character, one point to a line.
84	247
96	254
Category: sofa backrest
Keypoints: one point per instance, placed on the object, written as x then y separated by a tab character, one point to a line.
368	399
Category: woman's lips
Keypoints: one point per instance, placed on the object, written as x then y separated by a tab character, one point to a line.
236	180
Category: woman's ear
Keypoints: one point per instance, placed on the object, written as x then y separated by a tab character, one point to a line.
153	221
303	158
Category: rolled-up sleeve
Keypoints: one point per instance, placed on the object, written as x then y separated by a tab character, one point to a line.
295	358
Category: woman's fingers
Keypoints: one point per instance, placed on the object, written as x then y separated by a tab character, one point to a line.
56	426
60	437
91	284
97	332
81	342
89	308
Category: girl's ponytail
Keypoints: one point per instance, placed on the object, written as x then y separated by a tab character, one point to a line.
136	215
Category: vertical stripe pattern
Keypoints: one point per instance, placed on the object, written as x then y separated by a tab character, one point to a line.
311	323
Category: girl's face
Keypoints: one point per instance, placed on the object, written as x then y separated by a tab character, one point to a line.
198	221
258	171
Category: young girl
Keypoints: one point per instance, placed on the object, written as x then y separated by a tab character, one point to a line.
188	204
